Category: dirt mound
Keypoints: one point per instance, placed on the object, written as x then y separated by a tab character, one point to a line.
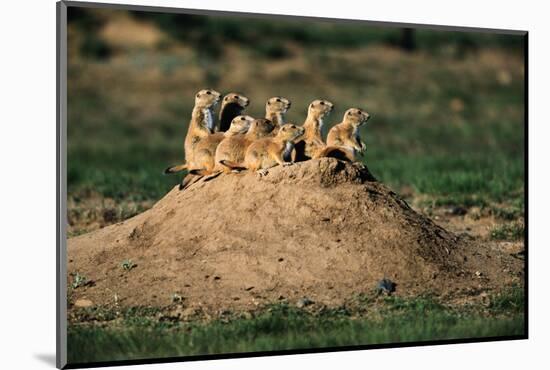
321	229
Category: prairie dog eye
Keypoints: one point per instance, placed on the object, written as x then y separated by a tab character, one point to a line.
322	103
243	119
278	100
236	97
208	92
227	98
198	95
358	112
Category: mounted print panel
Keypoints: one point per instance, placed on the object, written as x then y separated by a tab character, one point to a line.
237	184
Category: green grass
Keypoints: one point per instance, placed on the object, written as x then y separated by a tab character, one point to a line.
514	231
282	327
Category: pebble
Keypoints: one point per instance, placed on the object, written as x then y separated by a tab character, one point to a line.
303	302
83	303
386	286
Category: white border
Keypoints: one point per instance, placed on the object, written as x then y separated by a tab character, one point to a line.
28	158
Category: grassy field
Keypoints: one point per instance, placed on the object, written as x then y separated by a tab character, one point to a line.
447	129
367	320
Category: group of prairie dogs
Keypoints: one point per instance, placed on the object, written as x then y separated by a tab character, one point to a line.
240	142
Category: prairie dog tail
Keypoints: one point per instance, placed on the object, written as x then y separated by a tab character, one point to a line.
337	152
175	169
189	180
232	165
200	172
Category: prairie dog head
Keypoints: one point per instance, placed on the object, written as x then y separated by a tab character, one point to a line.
356	117
236	98
239	125
320	108
290	132
277	104
261	127
207	98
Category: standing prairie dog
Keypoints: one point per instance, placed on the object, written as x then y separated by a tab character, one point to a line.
233	105
200	126
343	140
269	152
233	148
312	141
275	109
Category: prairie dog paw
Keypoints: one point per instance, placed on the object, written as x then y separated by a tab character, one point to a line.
262	173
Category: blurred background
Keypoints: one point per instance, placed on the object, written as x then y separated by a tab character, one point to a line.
447	126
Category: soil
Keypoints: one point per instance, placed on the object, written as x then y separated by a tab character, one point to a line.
321	229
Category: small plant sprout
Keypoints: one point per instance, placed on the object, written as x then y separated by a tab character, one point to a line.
79	280
127	264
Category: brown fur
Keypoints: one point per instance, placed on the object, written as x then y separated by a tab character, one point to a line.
269	152
233	148
206	149
275	109
233	105
200	126
312	141
343	139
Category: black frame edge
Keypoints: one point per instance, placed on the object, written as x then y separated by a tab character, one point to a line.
61	191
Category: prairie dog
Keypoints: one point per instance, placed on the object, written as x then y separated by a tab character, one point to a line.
206	149
233	148
200	126
343	140
312	141
233	105
275	109
269	152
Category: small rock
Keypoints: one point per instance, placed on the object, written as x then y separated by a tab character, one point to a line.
386	286
457	211
83	303
176	298
109	214
303	302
